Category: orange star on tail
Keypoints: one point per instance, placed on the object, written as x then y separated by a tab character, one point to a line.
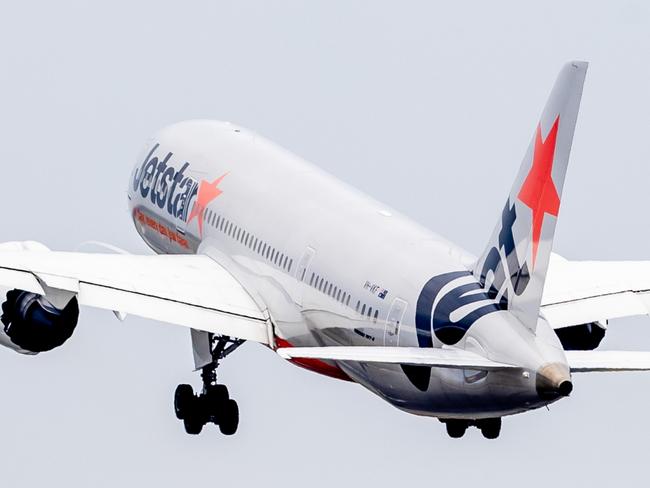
207	192
538	191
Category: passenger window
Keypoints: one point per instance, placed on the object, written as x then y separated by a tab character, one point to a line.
311	281
348	301
329	292
376	315
358	304
363	309
290	263
369	311
338	295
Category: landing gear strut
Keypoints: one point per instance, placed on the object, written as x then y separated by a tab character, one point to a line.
213	403
490	428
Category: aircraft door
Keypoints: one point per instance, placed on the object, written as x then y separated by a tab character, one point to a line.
394	322
302	272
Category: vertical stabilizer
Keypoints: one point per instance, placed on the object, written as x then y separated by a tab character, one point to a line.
516	259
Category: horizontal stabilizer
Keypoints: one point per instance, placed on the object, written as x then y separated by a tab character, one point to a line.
435	357
603	361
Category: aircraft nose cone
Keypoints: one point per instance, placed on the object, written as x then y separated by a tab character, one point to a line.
553	381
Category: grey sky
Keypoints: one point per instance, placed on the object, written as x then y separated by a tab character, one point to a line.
426	107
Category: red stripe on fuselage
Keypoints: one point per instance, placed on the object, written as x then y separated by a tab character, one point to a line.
315	365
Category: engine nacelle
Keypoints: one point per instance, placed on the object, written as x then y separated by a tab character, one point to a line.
583	337
31	324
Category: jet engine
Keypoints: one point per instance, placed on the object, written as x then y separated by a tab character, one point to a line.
31	324
583	337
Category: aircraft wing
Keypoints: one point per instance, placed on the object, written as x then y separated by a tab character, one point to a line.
189	290
581	292
437	357
603	361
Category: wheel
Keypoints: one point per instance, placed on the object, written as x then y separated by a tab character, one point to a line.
193	425
216	395
229	417
490	428
456	428
183	398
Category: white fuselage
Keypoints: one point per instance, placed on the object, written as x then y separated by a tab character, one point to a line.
332	265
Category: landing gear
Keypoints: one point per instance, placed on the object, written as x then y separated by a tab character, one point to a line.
490	428
456	428
213	403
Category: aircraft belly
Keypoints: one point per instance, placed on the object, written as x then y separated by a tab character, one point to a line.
451	393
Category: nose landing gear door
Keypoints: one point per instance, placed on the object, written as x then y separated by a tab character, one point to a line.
394	322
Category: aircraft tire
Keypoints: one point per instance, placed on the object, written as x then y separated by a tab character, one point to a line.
183	397
229	417
456	428
491	428
193	425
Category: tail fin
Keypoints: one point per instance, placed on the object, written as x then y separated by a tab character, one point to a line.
515	261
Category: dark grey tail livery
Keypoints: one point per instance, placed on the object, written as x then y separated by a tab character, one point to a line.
438	319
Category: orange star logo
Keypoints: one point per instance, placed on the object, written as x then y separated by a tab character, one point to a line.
207	192
538	191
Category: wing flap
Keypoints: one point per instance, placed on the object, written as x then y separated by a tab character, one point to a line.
435	357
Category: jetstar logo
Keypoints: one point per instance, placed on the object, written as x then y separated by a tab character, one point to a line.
538	191
449	304
168	188
207	192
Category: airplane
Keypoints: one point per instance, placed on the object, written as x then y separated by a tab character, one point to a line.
252	243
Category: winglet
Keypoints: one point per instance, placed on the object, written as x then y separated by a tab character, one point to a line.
514	264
